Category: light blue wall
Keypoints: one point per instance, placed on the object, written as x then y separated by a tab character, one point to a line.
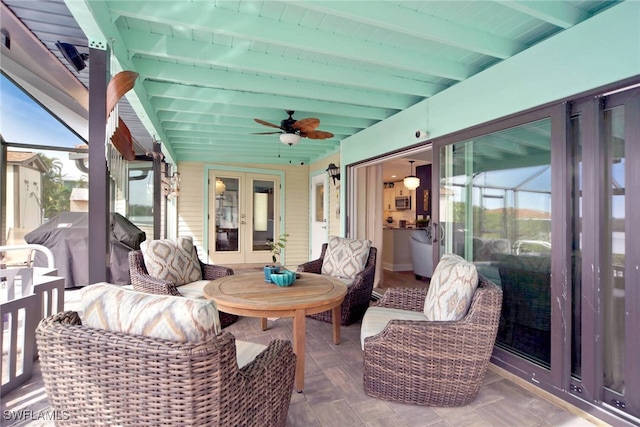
601	50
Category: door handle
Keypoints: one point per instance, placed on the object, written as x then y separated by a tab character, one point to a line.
438	232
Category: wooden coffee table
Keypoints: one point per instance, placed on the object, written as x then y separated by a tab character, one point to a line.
249	295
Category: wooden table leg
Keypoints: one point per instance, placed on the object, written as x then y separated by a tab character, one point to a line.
335	319
263	323
298	347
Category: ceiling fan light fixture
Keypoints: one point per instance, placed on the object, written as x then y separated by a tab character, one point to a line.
289	138
411	182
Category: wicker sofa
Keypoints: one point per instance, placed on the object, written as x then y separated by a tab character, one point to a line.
432	363
96	376
142	281
358	296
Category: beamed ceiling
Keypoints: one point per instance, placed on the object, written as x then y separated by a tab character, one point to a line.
208	68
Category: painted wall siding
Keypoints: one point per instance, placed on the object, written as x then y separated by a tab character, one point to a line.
599	51
191	214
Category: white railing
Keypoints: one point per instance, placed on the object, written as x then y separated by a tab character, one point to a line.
27	295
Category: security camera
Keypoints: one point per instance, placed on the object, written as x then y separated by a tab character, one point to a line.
422	134
301	162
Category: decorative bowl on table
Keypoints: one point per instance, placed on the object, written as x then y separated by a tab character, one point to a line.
282	279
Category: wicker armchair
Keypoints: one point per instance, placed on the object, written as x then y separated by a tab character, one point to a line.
358	296
100	377
432	363
142	281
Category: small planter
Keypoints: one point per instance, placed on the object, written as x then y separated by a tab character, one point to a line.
269	270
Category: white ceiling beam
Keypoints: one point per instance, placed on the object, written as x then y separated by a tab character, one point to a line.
427	27
176	49
562	14
219	113
208	17
221	96
223	79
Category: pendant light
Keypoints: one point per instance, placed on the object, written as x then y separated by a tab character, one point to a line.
411	182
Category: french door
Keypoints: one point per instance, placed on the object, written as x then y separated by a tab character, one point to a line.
243	217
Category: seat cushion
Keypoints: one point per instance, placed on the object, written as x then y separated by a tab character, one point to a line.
172	260
453	283
345	257
247	351
193	289
376	318
112	308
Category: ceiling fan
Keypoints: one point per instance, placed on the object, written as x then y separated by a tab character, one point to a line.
291	130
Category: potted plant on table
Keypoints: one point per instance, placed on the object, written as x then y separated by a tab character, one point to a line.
276	247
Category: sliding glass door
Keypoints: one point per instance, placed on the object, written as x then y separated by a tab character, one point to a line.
495	210
547	204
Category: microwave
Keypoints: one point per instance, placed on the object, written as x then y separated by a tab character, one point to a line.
403	203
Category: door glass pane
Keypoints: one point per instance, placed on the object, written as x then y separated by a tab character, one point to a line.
495	210
319	205
613	292
140	199
576	249
227	214
263	214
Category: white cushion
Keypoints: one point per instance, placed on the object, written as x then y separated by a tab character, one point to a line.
193	289
376	318
345	257
172	260
247	351
453	284
112	308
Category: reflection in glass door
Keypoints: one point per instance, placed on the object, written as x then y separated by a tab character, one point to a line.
495	208
613	278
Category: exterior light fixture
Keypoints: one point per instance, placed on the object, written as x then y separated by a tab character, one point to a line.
334	172
289	138
411	182
171	185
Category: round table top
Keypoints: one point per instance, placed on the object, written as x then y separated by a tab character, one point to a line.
250	291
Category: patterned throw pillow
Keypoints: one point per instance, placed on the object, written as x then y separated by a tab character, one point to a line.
345	257
172	260
180	319
453	284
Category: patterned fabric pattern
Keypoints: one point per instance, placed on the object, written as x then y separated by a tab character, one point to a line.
167	317
453	284
345	257
172	260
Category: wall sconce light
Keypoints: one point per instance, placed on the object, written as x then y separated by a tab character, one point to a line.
171	185
334	172
411	182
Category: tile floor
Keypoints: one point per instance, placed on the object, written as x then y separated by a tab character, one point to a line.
333	394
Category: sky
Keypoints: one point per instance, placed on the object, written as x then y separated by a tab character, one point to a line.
24	121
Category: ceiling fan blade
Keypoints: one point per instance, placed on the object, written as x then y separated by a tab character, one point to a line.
306	125
262	122
264	133
317	134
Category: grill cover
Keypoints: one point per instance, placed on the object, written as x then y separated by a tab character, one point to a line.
67	236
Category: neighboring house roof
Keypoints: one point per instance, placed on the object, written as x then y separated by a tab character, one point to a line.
27	159
79	194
